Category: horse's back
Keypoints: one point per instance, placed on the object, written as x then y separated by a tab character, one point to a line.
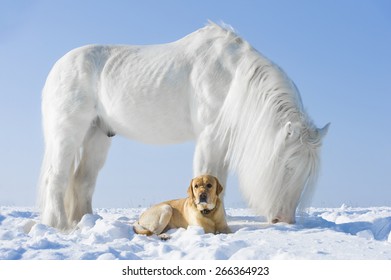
159	94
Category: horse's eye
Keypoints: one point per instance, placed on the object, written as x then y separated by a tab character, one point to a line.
209	186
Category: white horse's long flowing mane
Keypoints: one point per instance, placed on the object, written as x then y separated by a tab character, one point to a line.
211	86
273	144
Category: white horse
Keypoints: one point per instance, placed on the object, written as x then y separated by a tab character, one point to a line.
211	86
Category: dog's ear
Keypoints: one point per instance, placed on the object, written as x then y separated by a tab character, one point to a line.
190	190
219	187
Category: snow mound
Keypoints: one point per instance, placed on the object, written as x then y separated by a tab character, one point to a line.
320	233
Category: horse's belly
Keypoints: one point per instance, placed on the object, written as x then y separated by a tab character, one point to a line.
153	119
146	95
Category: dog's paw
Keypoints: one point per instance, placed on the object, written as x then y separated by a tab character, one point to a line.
164	236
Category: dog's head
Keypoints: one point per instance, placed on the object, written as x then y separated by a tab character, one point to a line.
204	191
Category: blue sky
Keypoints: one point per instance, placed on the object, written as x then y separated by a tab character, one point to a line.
337	52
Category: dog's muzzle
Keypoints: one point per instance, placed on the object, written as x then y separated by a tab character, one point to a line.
203	198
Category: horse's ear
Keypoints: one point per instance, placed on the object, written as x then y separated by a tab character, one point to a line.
289	129
190	190
323	131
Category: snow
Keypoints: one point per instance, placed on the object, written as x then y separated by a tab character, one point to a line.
320	233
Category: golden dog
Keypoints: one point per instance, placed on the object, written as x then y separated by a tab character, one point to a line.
202	207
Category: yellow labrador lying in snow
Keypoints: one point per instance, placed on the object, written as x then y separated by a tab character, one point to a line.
202	208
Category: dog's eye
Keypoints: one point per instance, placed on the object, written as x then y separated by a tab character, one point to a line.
196	186
209	186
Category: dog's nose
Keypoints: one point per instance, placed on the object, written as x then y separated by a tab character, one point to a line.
203	197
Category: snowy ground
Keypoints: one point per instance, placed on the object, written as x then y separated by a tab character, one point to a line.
320	233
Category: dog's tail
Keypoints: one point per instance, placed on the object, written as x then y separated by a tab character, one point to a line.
139	229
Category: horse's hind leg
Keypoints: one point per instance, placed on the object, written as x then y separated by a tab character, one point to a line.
63	140
78	197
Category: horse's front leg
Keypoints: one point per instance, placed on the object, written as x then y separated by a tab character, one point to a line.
209	156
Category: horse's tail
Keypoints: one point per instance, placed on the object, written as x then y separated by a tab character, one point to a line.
42	181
